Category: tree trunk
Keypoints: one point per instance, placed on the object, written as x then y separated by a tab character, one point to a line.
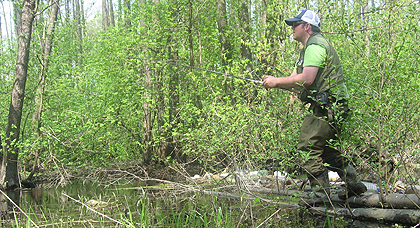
40	91
244	19
9	176
105	15
1	35
365	14
263	18
147	99
190	35
79	26
119	13
127	13
68	10
17	16
111	14
147	116
222	26
273	32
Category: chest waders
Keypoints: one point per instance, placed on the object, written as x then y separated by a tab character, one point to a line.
327	111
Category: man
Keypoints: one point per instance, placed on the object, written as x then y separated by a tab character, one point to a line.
319	81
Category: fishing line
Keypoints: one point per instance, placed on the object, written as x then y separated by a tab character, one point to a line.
221	73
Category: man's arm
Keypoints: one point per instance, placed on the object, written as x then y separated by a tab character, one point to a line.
306	78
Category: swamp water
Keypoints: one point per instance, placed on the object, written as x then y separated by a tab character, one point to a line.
94	205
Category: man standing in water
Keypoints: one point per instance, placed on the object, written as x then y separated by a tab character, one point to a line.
319	81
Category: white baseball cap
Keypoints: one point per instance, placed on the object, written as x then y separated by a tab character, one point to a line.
305	15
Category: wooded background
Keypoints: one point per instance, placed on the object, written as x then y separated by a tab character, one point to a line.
80	91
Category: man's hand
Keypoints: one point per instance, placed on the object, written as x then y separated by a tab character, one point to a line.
269	82
306	78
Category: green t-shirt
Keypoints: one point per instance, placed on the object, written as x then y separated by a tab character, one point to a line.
320	53
315	55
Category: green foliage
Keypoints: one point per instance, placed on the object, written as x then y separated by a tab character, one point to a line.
100	106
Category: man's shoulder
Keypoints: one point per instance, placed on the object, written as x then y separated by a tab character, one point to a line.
318	39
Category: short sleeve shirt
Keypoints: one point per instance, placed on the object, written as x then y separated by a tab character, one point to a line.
315	55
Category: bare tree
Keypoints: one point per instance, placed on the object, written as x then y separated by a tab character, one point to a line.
9	176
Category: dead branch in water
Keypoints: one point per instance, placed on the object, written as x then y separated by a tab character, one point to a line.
99	213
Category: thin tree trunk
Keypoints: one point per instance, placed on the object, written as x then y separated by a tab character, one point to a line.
1	35
9	176
263	18
82	15
147	101
127	13
190	35
105	15
365	14
111	13
68	10
17	16
222	24
40	91
147	119
244	19
222	27
165	145
5	22
79	26
119	13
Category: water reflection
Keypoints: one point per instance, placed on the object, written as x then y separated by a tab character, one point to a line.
132	204
9	201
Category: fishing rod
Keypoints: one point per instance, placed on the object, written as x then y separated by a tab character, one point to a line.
217	72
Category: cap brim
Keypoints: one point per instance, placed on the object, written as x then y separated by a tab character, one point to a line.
291	21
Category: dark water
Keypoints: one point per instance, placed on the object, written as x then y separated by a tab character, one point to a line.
68	206
90	204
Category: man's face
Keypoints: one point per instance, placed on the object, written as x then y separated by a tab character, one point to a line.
299	30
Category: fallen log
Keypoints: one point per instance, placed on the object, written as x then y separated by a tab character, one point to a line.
394	201
400	216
